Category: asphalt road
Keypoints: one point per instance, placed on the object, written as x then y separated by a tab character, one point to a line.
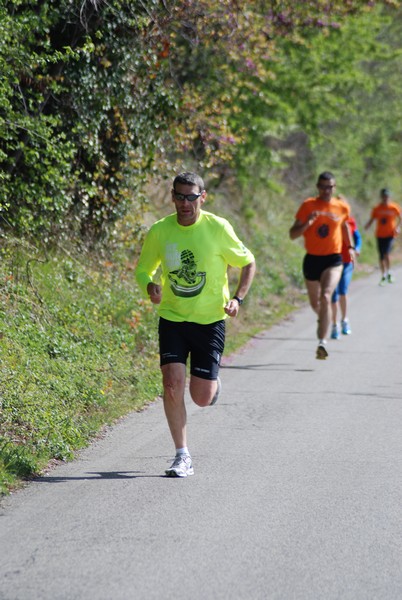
296	494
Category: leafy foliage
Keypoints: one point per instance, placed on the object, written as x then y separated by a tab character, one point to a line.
83	102
365	142
98	97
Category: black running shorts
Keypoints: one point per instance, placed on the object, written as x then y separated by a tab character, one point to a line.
314	266
204	343
384	246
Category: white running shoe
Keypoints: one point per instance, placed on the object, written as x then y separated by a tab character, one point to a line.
182	466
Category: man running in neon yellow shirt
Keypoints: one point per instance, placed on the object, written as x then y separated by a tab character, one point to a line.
193	248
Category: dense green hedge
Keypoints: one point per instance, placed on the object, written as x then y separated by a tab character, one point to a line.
97	98
83	106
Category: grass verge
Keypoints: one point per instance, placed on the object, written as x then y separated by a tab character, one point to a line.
78	350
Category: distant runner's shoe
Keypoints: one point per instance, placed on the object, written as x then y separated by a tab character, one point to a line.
346	330
335	332
391	278
181	467
322	352
218	391
383	281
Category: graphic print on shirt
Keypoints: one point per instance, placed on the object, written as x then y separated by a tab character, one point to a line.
323	230
185	280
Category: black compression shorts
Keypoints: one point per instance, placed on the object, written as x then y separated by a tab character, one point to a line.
204	343
314	266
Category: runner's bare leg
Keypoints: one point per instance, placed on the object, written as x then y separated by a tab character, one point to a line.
174	381
202	390
329	280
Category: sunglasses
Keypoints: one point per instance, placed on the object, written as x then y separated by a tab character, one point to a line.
326	187
189	197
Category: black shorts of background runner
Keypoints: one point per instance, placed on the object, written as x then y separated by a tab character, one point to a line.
384	246
204	343
313	266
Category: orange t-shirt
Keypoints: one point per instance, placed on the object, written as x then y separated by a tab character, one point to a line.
324	236
385	215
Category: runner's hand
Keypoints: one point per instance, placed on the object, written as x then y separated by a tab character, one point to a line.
154	292
232	308
353	254
312	217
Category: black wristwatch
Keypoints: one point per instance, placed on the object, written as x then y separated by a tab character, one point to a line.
239	300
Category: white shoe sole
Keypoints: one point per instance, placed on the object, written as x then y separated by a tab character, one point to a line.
173	473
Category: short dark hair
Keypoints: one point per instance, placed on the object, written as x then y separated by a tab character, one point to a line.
385	192
189	178
327	175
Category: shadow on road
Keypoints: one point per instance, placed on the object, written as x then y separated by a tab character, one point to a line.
97	476
267	367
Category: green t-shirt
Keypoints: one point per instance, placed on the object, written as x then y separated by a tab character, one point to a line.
193	261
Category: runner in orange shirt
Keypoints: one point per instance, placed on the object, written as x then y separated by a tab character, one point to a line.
388	216
322	222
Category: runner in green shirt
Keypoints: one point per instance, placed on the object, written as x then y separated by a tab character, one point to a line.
192	249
